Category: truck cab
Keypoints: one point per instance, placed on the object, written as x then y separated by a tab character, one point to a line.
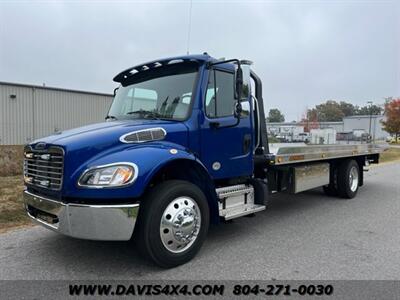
184	145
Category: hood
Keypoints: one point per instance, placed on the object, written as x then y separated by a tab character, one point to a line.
84	143
108	133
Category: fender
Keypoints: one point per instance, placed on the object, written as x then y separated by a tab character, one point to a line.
150	158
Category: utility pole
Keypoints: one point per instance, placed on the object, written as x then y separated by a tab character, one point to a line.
370	117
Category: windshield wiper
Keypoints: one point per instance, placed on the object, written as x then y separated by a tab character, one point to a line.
109	117
146	113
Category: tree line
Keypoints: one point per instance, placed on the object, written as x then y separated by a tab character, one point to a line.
333	111
330	111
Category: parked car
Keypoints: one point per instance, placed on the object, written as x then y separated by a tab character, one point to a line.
302	137
393	140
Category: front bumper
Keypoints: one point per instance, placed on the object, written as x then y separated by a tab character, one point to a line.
92	222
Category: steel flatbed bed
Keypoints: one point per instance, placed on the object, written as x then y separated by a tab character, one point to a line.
289	153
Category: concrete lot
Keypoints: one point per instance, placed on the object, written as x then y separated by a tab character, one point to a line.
306	236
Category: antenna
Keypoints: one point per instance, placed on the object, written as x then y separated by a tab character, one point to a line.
189	29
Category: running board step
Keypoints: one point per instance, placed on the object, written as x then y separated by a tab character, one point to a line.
237	201
240	211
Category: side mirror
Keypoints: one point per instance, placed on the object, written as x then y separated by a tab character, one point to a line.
239	89
245	109
238	109
239	83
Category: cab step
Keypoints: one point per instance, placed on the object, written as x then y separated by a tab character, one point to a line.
237	201
240	211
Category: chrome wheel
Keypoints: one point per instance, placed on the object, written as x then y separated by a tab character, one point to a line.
180	224
353	179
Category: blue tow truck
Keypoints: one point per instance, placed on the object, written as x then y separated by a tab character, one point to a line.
184	145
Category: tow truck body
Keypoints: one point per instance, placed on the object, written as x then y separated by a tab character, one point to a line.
184	145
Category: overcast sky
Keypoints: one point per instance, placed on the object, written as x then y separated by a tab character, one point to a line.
305	52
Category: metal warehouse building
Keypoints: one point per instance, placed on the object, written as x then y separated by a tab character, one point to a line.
28	112
366	123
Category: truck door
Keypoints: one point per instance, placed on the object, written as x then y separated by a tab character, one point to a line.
226	148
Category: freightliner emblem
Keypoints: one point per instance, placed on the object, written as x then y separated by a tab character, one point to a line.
40	146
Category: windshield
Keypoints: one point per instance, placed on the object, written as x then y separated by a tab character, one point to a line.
165	94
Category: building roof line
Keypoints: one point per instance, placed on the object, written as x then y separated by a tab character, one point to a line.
54	88
302	123
362	116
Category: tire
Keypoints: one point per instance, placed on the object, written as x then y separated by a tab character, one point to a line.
348	179
173	223
330	190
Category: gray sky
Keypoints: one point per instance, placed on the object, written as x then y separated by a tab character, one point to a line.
305	51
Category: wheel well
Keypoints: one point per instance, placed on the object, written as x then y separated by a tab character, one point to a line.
193	172
360	160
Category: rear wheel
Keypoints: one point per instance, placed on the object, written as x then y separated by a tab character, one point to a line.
173	223
330	190
348	179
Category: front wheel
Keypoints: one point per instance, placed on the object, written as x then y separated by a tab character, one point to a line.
173	223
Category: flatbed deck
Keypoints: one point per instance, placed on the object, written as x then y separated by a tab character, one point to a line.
289	153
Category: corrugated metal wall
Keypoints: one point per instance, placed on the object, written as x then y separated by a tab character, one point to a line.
36	112
16	115
338	126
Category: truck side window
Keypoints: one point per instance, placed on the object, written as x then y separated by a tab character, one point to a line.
220	97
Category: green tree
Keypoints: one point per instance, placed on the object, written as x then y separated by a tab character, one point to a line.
328	111
368	110
335	111
275	115
347	109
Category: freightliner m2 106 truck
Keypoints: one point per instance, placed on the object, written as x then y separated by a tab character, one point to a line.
184	145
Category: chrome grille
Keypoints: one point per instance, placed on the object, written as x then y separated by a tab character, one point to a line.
44	168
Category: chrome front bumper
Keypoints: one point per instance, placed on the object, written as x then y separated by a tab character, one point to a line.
92	222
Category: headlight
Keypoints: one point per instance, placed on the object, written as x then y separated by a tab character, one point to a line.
113	175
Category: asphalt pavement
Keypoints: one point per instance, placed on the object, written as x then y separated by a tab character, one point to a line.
304	236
